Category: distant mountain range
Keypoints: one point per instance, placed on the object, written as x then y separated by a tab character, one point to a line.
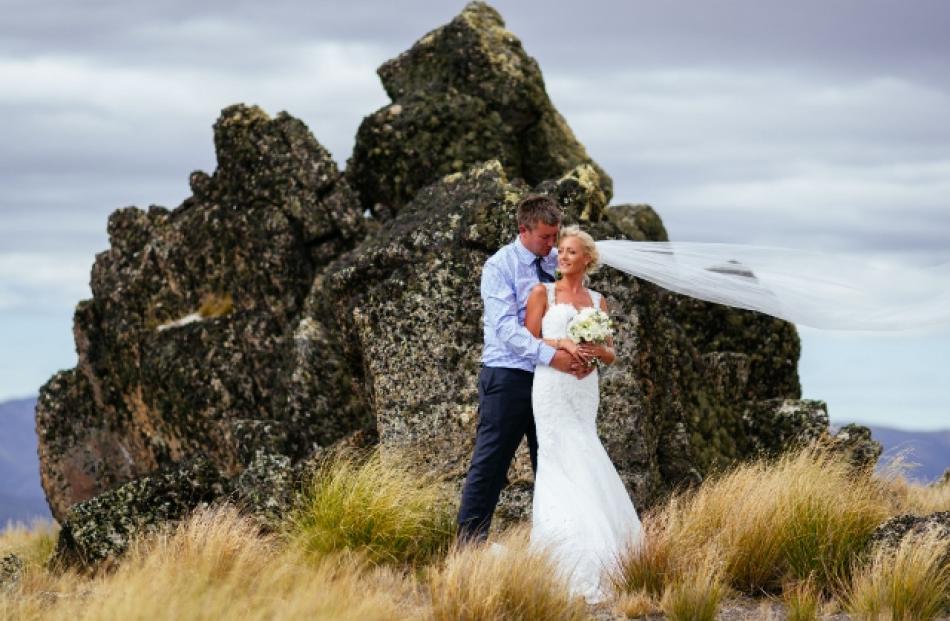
929	451
21	497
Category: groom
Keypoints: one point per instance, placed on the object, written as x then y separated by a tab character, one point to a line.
509	356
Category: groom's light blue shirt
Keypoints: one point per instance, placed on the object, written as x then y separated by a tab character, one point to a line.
507	279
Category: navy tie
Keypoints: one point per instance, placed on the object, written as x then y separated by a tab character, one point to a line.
542	275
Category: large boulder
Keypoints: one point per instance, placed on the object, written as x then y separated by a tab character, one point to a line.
194	340
464	93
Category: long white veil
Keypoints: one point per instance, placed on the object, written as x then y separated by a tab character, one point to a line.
810	288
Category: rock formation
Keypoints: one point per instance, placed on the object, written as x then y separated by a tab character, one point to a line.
464	93
194	342
265	317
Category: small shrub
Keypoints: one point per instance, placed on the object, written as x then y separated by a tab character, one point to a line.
908	583
374	506
510	580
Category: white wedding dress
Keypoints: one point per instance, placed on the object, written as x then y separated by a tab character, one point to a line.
581	511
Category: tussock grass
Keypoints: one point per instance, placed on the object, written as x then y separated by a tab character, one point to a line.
695	594
376	506
647	565
804	515
509	581
908	583
214	566
636	604
803	601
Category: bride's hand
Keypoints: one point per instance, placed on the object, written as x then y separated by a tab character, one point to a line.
589	351
569	346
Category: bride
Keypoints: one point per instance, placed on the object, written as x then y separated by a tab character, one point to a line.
582	513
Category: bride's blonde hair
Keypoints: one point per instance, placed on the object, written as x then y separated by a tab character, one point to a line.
586	241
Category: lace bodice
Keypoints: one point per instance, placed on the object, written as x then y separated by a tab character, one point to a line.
558	315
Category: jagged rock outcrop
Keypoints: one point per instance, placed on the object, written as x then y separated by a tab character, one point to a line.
464	93
855	444
264	319
194	342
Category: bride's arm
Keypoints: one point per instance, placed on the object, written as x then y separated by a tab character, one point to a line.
534	311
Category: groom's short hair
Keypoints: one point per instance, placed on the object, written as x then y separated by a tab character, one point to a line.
536	208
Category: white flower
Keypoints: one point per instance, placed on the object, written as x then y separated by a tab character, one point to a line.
591	325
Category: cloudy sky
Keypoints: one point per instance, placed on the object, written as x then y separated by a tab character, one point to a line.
812	124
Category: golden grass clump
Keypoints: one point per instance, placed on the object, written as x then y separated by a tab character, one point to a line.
803	601
646	565
805	514
507	581
375	505
214	566
215	305
695	594
636	604
910	582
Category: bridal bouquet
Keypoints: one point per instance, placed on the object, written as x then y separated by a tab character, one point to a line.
591	325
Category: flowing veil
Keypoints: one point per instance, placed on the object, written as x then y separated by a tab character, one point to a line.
815	289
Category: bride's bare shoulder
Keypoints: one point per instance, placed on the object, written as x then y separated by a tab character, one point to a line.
538	292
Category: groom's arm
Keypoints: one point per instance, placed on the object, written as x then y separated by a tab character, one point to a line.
501	314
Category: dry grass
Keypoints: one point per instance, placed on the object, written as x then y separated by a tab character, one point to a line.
636	604
377	506
918	499
695	593
215	305
647	564
806	514
33	544
370	539
803	601
908	583
513	581
214	566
